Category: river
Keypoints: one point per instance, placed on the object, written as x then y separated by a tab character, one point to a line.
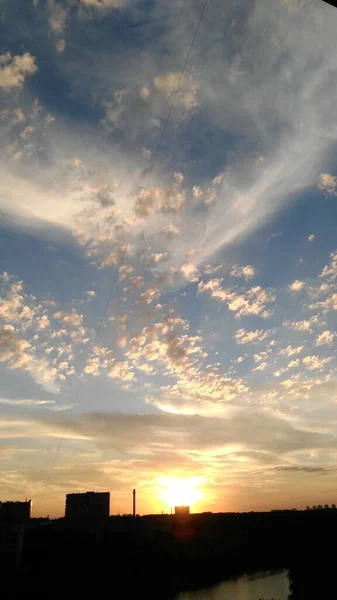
259	586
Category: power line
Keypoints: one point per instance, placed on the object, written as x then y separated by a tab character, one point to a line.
149	175
300	497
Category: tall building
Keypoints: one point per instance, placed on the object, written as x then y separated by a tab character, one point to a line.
92	505
15	512
182	511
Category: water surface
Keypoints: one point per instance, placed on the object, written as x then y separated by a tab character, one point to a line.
267	586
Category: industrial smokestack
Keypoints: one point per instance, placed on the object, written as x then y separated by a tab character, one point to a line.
134	503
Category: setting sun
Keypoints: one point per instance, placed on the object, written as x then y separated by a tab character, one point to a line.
181	492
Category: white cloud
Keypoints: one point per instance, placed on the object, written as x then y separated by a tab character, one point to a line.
117	256
105	4
249	302
296	286
209	270
100	358
125	271
60	46
293	363
114	109
11	346
210	197
197	191
260	357
168	83
325	338
90	293
13	70
218	179
190	272
330	270
121	371
327	182
172	229
291	350
72	318
43	322
311	237
246	337
20	355
305	325
57	16
156	258
179	177
159	199
316	363
247	272
150	295
330	303
27	131
261	366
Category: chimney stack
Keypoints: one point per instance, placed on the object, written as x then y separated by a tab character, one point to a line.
134	503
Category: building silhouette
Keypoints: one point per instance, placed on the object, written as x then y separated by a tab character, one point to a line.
88	505
182	511
15	512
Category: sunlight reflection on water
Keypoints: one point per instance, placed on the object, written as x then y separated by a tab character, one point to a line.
267	585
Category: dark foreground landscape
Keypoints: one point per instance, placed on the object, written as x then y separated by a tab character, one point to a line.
160	556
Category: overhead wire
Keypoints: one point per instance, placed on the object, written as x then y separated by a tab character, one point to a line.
122	260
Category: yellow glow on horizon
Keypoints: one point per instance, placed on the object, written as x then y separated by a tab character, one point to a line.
181	491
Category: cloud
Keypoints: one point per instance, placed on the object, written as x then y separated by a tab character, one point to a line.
261	366
100	358
13	70
249	302
291	350
43	322
218	179
325	338
247	272
327	183
190	272
197	191
172	229
305	325
72	318
330	270
121	371
316	363
13	306
330	303
156	258
160	199
105	4
125	271
11	346
150	295
297	286
90	293
179	177
20	355
167	85
60	46
260	357
246	337
311	238
209	270
57	17
117	256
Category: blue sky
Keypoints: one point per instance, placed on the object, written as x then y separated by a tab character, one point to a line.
216	354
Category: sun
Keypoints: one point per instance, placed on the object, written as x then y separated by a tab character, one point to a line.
181	491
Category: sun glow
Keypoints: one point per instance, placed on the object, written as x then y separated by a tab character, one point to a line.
181	492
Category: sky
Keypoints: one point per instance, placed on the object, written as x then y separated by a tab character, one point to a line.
168	256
